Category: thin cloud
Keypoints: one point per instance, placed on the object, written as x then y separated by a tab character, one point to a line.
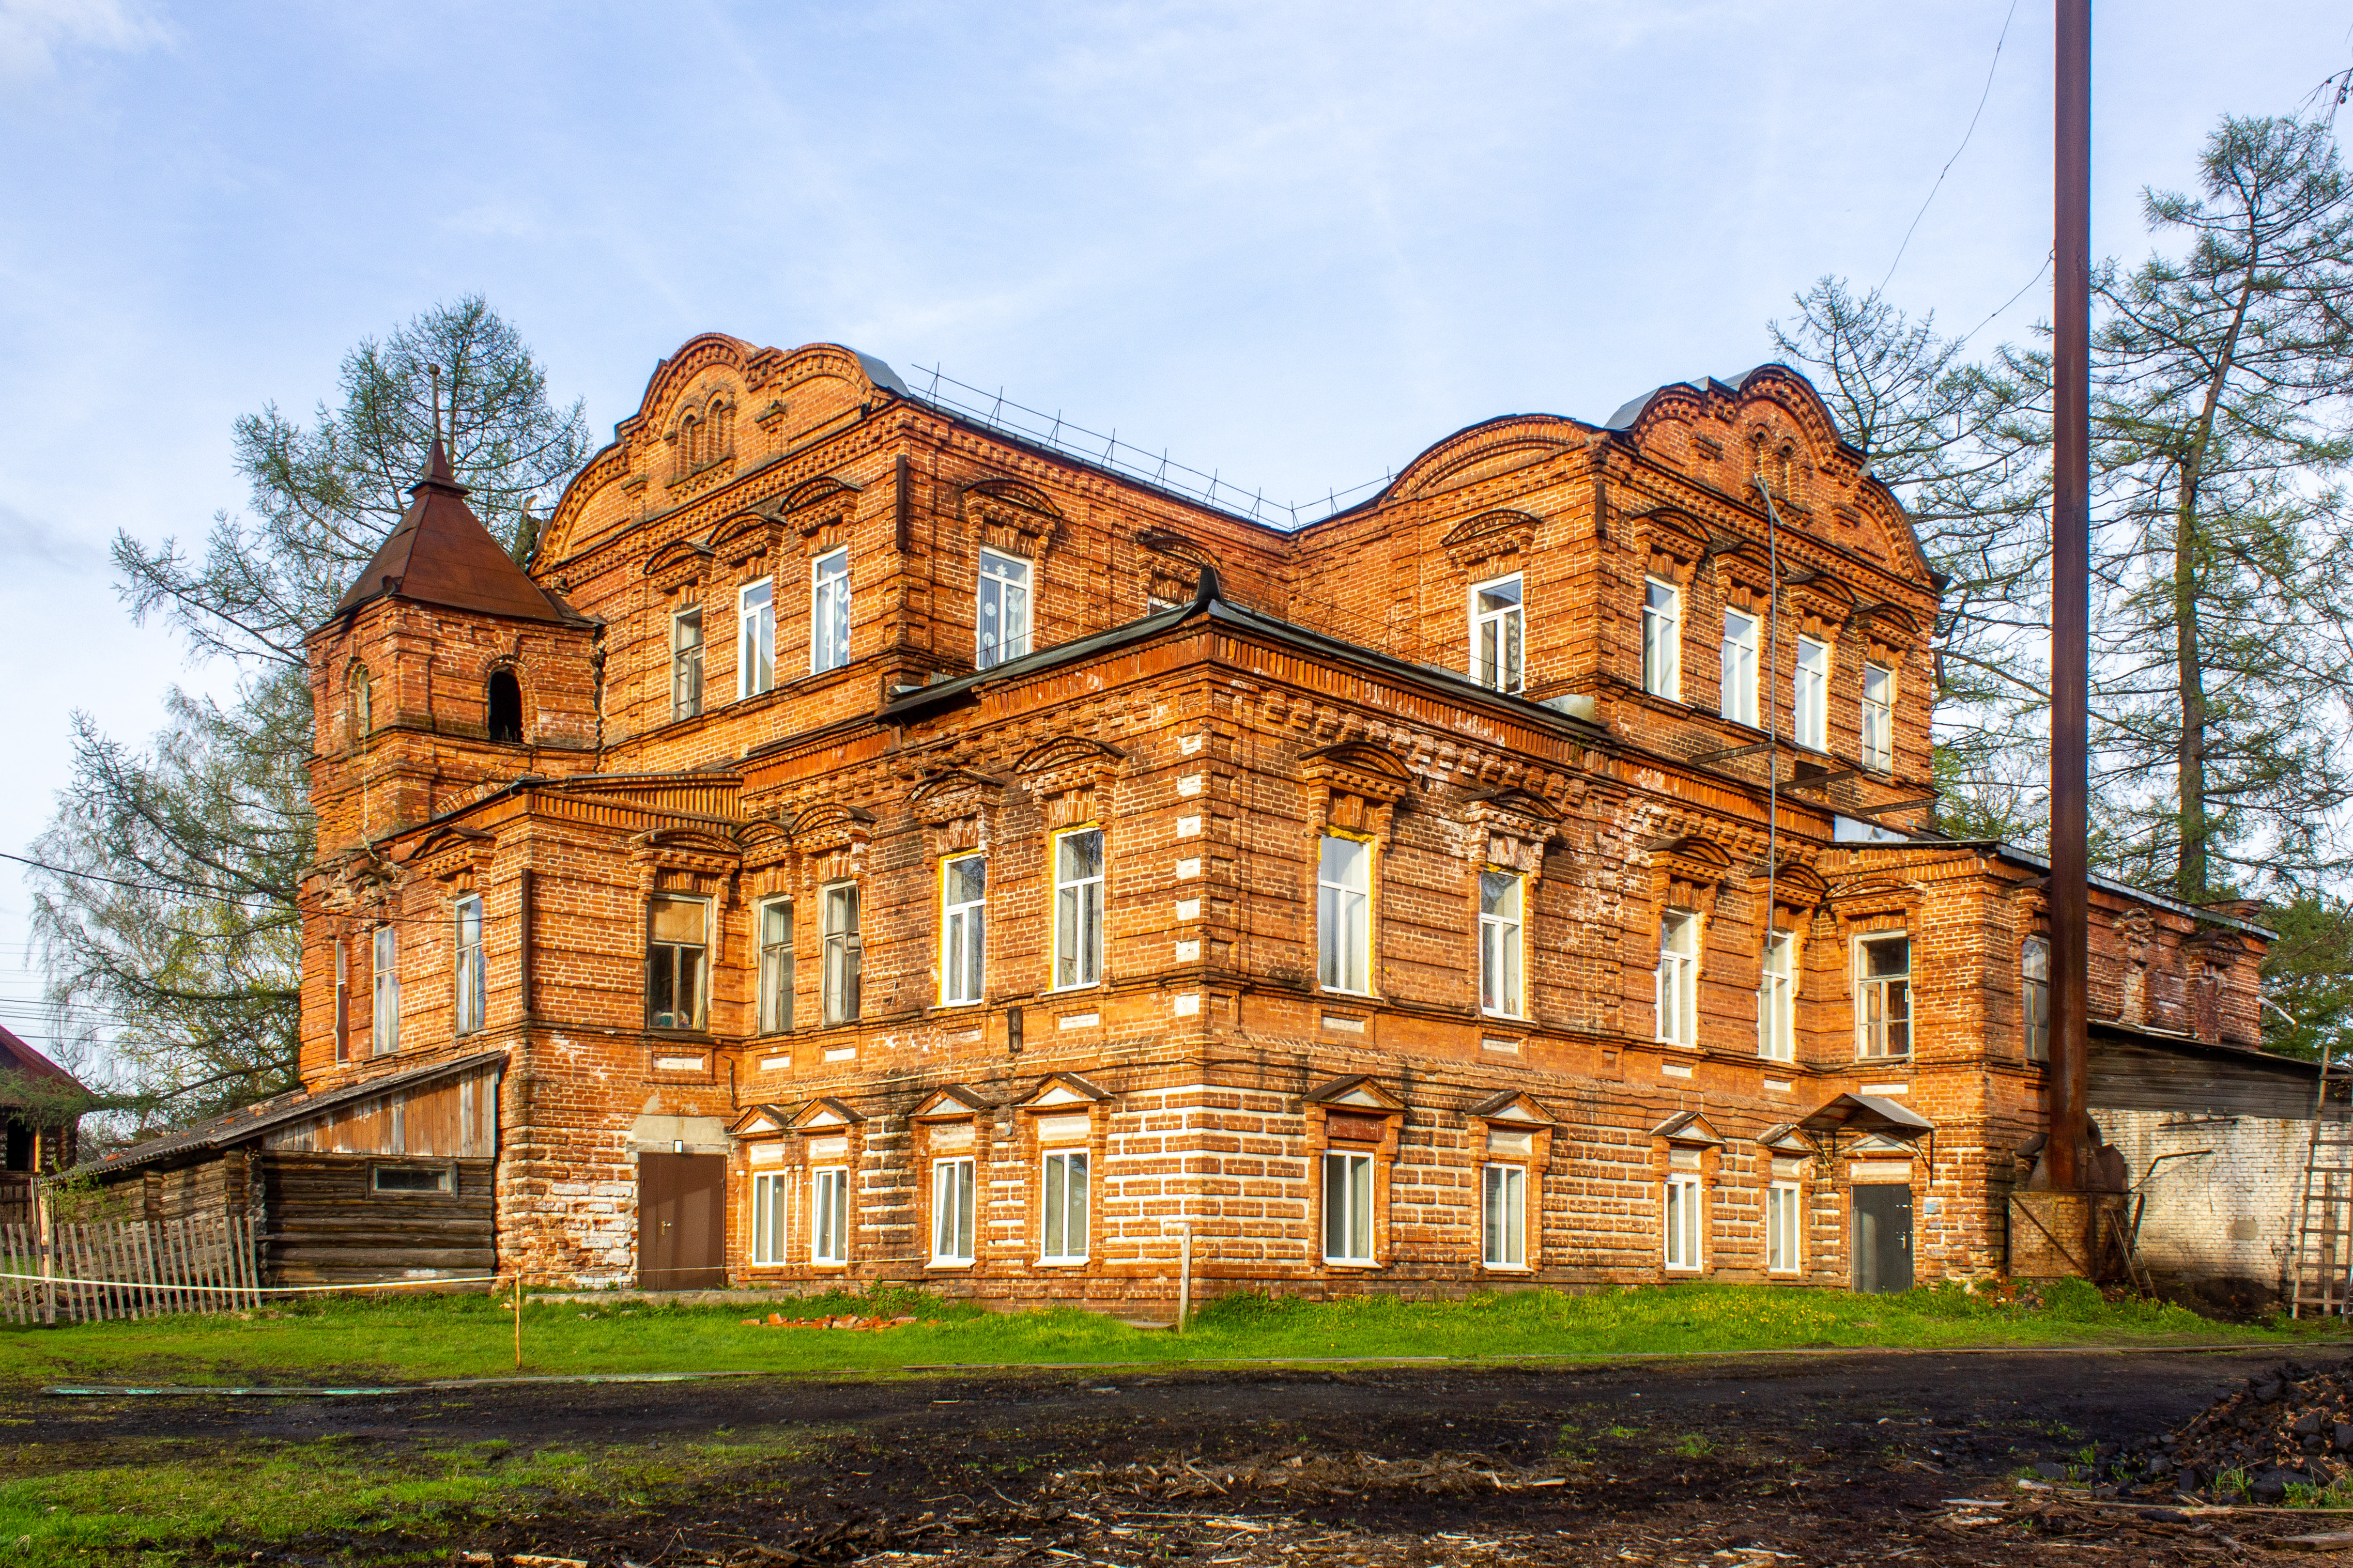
30	544
34	33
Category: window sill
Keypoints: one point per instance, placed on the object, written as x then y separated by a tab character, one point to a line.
1352	995
1504	1017
1062	1262
1678	1045
1071	990
1506	1268
1363	1265
948	1266
1684	1268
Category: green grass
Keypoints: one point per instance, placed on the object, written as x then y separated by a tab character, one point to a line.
466	1336
172	1497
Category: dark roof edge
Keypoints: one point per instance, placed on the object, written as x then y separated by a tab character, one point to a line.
2162	1041
2009	851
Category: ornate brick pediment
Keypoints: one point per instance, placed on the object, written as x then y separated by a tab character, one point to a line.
956	805
1358	1092
819	510
454	852
687	848
362	879
1516	824
1066	773
1360	784
678	561
1691	867
1818	606
830	827
1010	516
1889	630
1673	543
1173	565
1475	543
1797	888
747	537
762	1120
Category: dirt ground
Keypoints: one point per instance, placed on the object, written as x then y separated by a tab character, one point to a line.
1763	1462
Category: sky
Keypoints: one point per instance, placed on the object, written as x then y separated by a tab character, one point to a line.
1293	242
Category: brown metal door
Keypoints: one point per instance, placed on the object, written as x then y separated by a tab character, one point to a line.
682	1222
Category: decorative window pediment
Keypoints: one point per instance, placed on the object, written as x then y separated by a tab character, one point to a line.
955	805
744	539
700	852
819	510
1475	542
1515	1107
1008	515
1358	1092
762	1120
1360	784
830	827
1065	774
825	1115
1798	888
1672	544
954	1102
1064	1091
1693	867
454	852
1690	1128
1517	825
677	562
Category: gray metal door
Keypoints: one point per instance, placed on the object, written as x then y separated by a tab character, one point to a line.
1879	1233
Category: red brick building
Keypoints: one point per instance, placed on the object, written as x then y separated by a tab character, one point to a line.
867	844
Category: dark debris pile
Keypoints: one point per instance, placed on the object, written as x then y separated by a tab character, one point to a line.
2292	1425
1305	1475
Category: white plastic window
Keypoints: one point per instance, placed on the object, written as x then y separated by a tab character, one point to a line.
756	639
1878	717
1678	989
1777	1030
1501	897
383	1033
1739	674
829	1215
1078	908
1810	712
1683	1223
1882	995
775	966
844	952
964	928
1662	639
1504	1216
830	611
1001	619
952	1201
1347	1208
1497	626
769	1207
1343	915
1781	1249
686	661
472	972
1065	1220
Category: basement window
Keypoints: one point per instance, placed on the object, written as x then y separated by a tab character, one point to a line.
440	1179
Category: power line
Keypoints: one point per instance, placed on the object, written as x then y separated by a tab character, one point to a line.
1955	158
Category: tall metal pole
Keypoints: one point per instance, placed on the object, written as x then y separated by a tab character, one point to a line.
2070	594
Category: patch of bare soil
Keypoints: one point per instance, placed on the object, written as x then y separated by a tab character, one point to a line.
1752	1464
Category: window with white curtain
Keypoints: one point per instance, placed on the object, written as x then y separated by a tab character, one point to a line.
1662	639
1500	898
1497	624
1001	618
1678	985
1065	1204
1781	1227
1777	1029
951	1211
1504	1206
829	1215
1878	717
1078	908
1343	914
1810	712
1739	669
830	611
1683	1222
964	928
769	1206
1347	1208
756	639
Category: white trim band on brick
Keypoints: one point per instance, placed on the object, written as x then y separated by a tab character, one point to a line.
1779	1086
841	1053
1190	784
1189	827
776	1064
1880	1170
1344	1023
1078	1020
1188	908
1188	953
1674	1069
1187	869
1884	1089
678	1064
1187	1005
1503	1046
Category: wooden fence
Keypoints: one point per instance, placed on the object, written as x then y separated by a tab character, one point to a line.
126	1268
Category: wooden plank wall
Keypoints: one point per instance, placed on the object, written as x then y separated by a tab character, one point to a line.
455	1120
328	1225
2135	1077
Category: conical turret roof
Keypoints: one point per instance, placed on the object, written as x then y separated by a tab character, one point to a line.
441	555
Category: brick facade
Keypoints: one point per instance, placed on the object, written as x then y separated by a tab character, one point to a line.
1209	710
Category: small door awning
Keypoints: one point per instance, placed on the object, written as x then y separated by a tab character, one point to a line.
1866	1114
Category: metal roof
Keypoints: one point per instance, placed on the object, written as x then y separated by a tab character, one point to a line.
441	555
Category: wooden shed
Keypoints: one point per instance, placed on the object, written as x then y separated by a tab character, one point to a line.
392	1177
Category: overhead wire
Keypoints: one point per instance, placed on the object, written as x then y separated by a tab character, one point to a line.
1991	68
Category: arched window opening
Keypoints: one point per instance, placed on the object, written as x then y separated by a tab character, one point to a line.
1785	467
359	697
506	706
